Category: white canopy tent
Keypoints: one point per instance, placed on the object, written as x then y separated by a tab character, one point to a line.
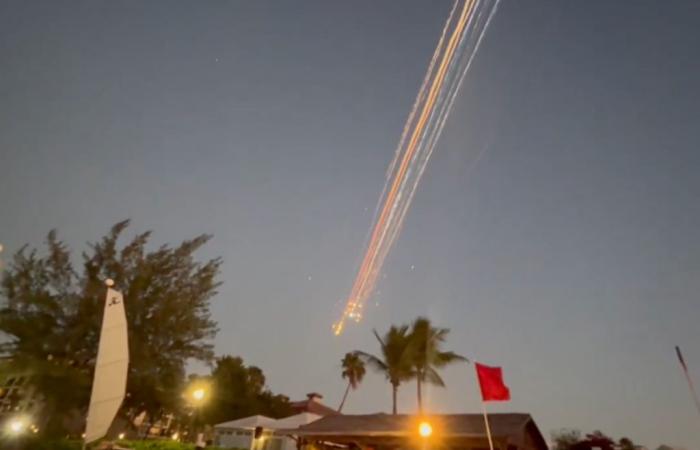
240	433
247	423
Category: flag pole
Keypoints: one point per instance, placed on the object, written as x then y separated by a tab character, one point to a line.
486	416
488	427
693	392
492	388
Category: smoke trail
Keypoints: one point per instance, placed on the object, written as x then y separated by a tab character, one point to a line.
412	154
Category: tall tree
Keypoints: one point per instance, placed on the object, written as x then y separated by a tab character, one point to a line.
240	391
354	371
429	356
565	439
396	362
626	444
595	440
50	313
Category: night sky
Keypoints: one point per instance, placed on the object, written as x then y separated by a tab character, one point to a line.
556	230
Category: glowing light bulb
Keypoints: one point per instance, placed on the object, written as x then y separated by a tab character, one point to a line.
198	394
425	429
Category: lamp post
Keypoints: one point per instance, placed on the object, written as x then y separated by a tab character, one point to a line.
197	395
425	432
16	428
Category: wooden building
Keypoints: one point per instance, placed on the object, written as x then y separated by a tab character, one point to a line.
397	432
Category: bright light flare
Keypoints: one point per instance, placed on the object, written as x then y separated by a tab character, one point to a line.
17	425
198	394
425	429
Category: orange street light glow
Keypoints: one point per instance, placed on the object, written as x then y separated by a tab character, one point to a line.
425	429
198	394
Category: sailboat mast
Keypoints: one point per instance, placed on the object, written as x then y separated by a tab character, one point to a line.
111	368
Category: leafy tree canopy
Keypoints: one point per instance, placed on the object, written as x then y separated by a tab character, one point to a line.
565	439
51	312
239	391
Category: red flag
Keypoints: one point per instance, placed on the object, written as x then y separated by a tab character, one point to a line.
492	386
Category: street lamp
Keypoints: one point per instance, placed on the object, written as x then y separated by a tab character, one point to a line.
17	425
425	429
198	394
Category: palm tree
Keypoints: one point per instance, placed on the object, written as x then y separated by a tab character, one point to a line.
354	371
397	359
427	341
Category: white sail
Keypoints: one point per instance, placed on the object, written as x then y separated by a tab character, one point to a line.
109	385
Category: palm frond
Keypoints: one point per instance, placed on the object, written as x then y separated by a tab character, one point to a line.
374	362
432	377
381	342
441	359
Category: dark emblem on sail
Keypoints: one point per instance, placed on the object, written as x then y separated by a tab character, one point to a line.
113	301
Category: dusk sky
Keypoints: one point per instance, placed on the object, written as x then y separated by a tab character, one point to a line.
556	231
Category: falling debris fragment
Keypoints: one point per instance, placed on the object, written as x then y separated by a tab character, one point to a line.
451	61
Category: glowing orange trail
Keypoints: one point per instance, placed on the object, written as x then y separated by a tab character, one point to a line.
380	230
405	178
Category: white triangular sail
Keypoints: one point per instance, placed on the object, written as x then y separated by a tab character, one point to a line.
109	385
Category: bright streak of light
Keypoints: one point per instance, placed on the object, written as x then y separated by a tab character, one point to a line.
418	140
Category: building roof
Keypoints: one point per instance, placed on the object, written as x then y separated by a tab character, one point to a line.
313	406
247	423
513	428
295	421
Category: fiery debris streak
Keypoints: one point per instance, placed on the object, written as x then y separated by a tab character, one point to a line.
412	154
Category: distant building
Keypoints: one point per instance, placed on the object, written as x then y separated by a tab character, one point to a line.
390	432
313	405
